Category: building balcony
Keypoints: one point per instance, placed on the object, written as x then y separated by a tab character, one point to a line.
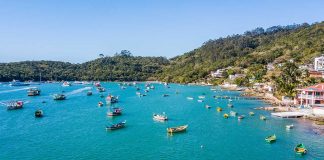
301	96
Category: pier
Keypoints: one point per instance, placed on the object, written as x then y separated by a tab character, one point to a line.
289	114
238	98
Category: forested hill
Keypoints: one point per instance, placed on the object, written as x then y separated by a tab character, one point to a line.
259	46
122	67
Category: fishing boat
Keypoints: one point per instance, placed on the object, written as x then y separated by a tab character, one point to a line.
230	105
251	113
241	117
225	115
177	129
160	117
66	84
59	97
219	109
207	106
271	139
263	117
190	98
289	126
233	114
38	113
15	105
101	89
165	95
116	126
116	112
18	83
300	149
77	82
89	93
33	92
201	97
97	84
213	89
85	83
111	99
100	104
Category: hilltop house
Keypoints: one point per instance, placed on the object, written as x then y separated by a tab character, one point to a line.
218	73
319	64
233	77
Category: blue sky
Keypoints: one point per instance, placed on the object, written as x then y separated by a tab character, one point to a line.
77	31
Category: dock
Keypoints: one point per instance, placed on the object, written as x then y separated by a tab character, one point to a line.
289	114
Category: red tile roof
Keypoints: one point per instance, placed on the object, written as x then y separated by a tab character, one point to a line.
317	87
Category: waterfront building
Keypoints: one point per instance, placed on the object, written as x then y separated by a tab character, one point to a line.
310	95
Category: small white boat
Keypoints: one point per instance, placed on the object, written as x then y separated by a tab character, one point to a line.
199	100
201	97
207	106
190	98
66	84
233	114
289	126
160	117
77	82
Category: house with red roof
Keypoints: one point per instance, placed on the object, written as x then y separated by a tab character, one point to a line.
312	95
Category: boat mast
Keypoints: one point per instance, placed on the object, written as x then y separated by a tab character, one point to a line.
40	77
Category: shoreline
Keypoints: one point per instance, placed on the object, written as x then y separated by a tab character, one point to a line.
276	105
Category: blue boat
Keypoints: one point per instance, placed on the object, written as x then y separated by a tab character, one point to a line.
18	83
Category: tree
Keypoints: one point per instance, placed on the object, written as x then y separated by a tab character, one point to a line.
288	79
241	81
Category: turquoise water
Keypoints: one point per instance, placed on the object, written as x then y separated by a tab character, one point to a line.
75	128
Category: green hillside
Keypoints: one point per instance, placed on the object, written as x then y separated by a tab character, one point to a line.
121	67
259	46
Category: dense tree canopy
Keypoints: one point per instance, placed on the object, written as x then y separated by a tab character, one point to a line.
250	51
122	67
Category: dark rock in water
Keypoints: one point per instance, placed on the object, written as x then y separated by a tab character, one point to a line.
43	101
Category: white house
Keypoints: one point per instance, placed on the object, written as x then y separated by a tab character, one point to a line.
232	77
319	64
218	73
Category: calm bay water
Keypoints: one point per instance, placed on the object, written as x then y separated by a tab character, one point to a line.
75	128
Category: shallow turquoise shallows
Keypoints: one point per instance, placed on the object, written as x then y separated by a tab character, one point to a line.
75	128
